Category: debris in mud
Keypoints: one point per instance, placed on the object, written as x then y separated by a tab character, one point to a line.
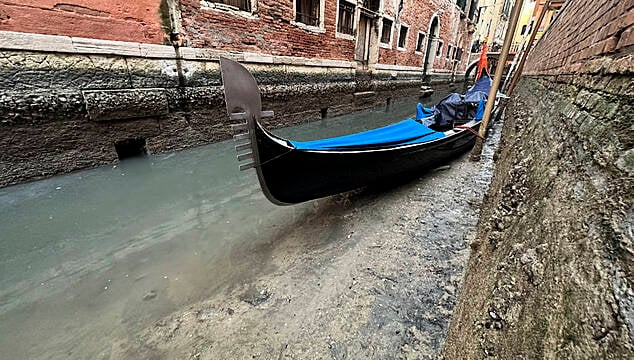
207	314
443	168
255	297
149	295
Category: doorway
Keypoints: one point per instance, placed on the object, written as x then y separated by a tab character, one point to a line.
432	43
362	51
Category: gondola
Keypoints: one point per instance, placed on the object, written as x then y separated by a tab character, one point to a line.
292	172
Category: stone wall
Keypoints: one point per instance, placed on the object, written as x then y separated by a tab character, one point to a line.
551	272
65	102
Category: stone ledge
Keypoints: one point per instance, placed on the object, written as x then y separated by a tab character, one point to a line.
10	40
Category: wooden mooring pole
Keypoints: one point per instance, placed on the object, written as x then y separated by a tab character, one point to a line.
499	72
529	47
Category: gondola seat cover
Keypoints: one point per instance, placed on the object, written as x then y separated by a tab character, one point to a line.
402	133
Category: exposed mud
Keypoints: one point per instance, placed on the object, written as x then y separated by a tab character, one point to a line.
373	274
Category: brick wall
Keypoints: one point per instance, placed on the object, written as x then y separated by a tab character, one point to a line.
137	21
418	15
584	30
269	31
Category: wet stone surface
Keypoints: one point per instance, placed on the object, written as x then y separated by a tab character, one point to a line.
372	274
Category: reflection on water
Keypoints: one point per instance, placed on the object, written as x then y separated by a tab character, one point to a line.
96	255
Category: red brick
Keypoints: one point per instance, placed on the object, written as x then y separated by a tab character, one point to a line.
137	21
626	39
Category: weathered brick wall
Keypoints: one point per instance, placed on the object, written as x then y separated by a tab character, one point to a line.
269	31
583	31
138	21
418	15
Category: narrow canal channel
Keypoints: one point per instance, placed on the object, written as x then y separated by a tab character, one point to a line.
97	255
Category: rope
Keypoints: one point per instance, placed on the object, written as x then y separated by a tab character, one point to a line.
470	130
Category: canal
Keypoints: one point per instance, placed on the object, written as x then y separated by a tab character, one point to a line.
98	255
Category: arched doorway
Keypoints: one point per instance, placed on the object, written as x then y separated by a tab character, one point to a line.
432	43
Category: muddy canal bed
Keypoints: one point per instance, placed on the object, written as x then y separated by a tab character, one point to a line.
374	274
180	256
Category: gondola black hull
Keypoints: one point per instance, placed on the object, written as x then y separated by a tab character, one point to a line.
290	176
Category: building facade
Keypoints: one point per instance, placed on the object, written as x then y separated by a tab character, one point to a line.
552	8
492	23
525	25
377	34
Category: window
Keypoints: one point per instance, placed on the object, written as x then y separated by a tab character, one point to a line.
472	11
439	49
371	5
449	49
307	12
462	4
386	31
402	36
419	42
240	4
523	29
346	18
459	54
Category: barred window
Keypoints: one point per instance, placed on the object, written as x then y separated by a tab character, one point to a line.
346	18
386	31
240	4
307	12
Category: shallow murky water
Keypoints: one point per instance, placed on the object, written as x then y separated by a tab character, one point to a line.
95	255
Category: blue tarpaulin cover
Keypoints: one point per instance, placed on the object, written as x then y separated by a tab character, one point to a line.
409	131
456	109
423	112
483	85
402	133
